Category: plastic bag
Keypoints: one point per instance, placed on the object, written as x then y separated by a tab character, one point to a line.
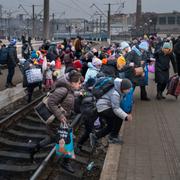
65	146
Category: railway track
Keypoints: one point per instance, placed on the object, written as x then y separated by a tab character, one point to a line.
20	131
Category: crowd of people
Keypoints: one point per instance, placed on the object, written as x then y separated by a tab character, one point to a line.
126	63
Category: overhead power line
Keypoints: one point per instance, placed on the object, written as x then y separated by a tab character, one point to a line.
79	7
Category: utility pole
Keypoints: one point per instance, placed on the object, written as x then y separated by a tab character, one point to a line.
53	26
138	14
109	21
46	19
100	25
33	22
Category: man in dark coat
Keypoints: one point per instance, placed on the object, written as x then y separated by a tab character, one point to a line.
177	53
162	66
11	63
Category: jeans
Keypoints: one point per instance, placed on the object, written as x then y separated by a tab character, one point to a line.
11	71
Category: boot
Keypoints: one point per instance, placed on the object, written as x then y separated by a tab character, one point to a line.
162	97
145	99
93	139
34	151
159	96
67	165
115	140
12	85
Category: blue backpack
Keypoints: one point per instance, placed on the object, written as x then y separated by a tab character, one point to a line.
127	102
4	52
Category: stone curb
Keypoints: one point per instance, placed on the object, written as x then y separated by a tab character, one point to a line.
111	162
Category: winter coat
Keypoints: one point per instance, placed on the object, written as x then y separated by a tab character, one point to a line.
26	51
162	66
91	72
112	100
177	53
134	56
109	69
61	101
12	56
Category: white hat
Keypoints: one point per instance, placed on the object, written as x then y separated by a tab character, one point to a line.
96	62
124	45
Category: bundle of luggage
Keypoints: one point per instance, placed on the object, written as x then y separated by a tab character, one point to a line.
173	87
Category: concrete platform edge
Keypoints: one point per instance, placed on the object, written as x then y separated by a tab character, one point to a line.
11	95
111	162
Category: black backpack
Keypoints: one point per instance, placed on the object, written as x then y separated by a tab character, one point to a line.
4	53
88	105
102	86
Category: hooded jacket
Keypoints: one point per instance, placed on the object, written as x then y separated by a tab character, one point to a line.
63	96
112	99
91	72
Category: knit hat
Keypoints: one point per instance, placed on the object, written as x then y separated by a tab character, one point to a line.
96	62
126	84
144	45
167	45
77	64
124	45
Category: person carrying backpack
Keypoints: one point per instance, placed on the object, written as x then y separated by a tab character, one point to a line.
88	113
108	107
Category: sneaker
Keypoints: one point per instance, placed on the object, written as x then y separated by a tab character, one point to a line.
114	140
158	97
163	97
93	139
67	166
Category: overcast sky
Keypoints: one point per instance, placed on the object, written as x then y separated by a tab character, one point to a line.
81	8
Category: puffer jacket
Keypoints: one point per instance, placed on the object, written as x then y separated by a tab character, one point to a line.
91	72
112	100
63	96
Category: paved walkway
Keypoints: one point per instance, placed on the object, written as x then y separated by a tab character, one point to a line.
152	141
